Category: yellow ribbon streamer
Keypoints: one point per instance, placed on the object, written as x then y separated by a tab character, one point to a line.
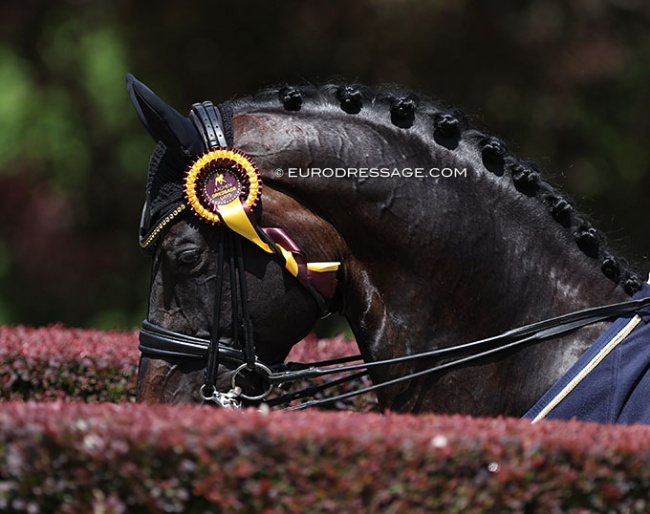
234	216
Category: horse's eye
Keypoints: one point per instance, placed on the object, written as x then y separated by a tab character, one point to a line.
188	257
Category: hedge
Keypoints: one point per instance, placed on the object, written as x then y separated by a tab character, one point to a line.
73	456
78	364
63	363
116	458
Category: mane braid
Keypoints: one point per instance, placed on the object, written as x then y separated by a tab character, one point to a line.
448	128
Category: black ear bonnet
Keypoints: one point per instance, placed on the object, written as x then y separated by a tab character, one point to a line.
179	139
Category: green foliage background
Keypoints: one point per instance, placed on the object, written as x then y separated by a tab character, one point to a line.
564	83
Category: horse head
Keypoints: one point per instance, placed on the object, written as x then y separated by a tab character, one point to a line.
206	283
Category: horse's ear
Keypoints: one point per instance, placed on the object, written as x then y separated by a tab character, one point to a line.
162	121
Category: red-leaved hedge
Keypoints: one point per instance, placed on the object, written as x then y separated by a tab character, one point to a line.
118	458
76	457
64	363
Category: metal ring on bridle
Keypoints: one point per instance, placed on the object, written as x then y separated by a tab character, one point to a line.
203	393
258	365
227	400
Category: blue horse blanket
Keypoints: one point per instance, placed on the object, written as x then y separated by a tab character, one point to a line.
610	382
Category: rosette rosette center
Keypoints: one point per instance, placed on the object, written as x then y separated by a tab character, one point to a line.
220	177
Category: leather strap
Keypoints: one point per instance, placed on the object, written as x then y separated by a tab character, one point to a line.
159	342
207	119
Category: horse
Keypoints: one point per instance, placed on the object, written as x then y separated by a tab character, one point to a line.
432	234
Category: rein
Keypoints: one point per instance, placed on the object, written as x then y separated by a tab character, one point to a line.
159	342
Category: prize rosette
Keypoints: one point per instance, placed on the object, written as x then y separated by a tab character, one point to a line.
218	178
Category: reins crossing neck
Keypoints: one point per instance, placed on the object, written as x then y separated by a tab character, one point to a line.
159	342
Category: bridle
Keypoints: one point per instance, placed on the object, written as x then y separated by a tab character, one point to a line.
236	212
320	281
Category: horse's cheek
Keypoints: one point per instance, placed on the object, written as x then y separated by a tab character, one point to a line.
152	377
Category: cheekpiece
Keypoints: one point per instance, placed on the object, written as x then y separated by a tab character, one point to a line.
219	177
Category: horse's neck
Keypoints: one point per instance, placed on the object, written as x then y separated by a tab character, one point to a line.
476	268
469	250
426	291
435	263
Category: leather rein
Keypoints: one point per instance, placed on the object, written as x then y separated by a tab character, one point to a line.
159	342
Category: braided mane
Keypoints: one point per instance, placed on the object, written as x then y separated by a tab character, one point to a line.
448	127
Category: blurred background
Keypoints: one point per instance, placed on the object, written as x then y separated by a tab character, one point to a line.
565	84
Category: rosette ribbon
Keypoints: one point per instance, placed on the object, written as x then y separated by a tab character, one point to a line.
233	207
